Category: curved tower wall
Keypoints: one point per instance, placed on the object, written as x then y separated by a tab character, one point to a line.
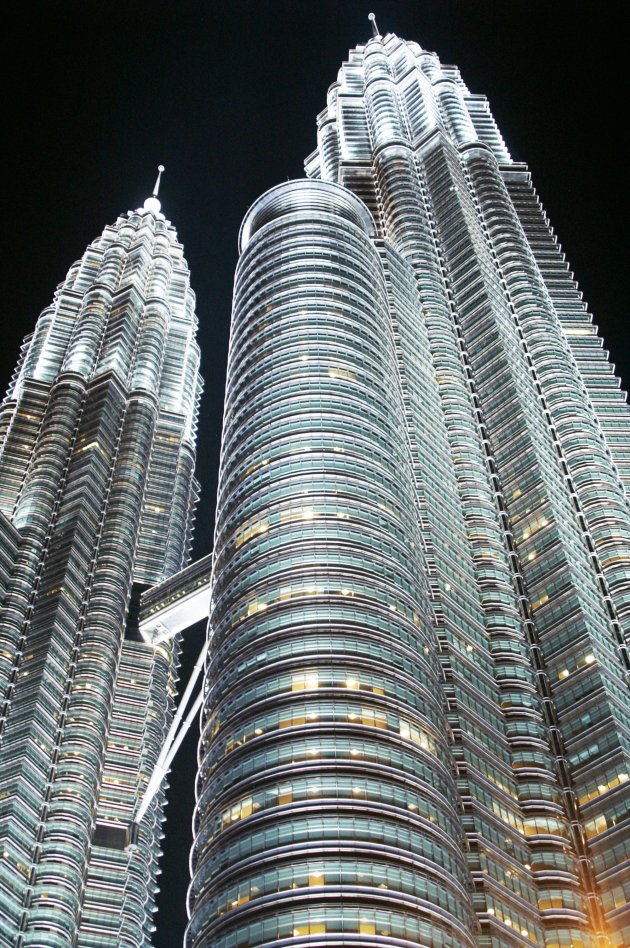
326	796
96	474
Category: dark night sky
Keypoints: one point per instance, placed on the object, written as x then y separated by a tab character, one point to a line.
225	94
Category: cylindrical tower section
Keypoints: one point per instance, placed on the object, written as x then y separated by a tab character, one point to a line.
326	800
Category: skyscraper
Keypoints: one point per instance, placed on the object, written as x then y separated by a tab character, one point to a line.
416	726
97	489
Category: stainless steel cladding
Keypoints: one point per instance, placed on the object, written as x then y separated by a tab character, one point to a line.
327	801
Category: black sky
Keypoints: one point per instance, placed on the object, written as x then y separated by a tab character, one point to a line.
225	94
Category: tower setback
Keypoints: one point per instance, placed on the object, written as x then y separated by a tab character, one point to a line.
416	719
97	489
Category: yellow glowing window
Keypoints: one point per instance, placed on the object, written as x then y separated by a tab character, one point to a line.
367	928
285	795
312	928
540	602
241	900
534	527
373	718
352	683
595	826
298	513
316	878
305	681
342	374
414	734
621	558
253	530
603	787
254	607
92	444
238	812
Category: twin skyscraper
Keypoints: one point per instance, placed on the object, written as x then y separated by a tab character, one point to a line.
414	725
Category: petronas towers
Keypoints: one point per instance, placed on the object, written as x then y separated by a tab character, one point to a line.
415	709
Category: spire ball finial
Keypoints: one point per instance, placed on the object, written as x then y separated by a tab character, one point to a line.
372	19
157	182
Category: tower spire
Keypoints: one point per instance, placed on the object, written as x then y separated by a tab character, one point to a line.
152	203
157	180
372	19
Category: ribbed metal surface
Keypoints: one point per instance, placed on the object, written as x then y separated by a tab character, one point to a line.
96	451
491	391
537	433
326	803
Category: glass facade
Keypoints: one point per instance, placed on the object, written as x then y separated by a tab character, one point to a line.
415	728
97	435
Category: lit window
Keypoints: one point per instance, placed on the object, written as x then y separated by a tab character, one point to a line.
305	681
540	602
342	374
